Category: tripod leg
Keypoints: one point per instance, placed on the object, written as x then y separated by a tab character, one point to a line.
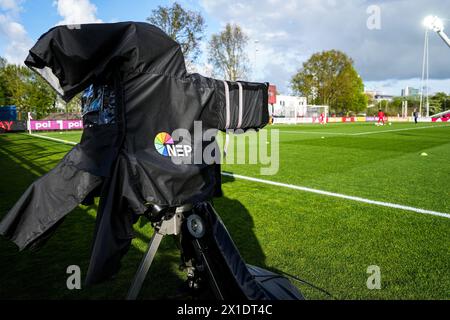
144	266
214	285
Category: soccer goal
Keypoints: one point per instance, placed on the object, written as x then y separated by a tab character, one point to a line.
318	114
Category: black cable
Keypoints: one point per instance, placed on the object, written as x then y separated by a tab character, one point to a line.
307	283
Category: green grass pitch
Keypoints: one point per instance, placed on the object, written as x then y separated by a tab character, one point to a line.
327	241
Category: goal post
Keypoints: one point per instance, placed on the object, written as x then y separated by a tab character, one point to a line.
297	111
29	118
316	112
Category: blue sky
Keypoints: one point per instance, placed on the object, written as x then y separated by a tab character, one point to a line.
283	33
39	15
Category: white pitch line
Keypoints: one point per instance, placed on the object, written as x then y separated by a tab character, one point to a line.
338	195
361	133
54	139
394	130
306	189
312	132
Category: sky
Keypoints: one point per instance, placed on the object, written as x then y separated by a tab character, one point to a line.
385	38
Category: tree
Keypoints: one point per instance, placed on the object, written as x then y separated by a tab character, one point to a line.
3	62
3	87
227	54
184	26
15	78
351	96
40	98
439	102
74	105
329	78
26	90
3	92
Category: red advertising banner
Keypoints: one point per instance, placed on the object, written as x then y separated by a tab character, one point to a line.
12	126
440	119
272	94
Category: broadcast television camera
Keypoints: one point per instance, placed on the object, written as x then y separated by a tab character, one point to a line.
135	93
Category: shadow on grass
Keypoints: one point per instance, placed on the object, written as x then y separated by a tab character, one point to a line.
239	223
402	144
42	274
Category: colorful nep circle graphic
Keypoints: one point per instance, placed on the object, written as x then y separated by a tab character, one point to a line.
161	140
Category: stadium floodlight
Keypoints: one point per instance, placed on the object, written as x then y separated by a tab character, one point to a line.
436	24
433	23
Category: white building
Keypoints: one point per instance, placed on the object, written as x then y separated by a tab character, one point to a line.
378	96
289	106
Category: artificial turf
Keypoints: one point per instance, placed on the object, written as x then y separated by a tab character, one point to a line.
327	241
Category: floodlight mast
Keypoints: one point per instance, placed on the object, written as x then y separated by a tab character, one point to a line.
435	24
432	23
444	37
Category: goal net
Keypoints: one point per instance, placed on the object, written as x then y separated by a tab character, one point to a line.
313	111
318	114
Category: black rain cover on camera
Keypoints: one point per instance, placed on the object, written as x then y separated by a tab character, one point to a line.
137	93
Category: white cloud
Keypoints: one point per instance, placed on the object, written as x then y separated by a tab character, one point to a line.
17	39
76	12
289	31
11	29
10	5
394	86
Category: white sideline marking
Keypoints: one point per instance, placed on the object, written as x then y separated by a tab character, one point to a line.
338	195
312	132
361	133
306	189
54	139
393	130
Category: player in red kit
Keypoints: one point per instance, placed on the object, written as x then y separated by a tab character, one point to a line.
380	117
322	118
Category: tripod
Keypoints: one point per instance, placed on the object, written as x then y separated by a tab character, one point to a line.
211	257
203	260
170	224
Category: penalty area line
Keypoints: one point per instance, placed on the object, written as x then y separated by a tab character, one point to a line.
338	195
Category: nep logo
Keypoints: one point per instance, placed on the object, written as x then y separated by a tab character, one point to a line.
165	145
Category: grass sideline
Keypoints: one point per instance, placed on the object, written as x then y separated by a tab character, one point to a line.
329	242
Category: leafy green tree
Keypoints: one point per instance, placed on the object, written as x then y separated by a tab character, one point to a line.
15	78
184	26
395	106
26	90
329	78
439	102
3	92
227	53
40	97
351	97
3	87
74	105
